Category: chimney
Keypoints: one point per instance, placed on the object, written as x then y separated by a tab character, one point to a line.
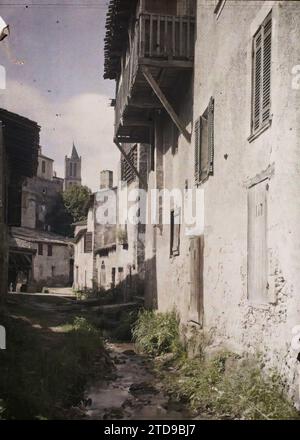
106	179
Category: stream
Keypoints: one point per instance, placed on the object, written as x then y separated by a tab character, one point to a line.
132	392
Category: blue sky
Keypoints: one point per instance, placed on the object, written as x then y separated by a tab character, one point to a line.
54	65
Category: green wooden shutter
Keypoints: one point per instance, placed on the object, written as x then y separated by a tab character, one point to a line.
266	83
261	83
211	136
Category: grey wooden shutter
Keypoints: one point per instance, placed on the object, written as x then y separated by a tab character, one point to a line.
261	84
197	151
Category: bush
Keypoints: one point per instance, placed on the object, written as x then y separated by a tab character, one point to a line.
157	333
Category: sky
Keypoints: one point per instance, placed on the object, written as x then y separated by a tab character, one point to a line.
54	75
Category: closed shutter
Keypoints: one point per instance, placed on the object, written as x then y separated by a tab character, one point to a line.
88	242
257	243
204	144
196	280
261	83
197	151
211	136
266	86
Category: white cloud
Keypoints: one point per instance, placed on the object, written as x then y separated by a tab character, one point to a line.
85	119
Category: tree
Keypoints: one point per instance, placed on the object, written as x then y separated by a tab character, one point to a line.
76	200
59	218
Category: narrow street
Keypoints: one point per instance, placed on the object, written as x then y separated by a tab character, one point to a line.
134	393
128	389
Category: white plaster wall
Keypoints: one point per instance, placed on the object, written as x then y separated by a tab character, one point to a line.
223	70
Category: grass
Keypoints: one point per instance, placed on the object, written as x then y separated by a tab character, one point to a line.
225	386
157	333
42	372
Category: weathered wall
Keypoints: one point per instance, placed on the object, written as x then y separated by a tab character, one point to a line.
52	271
38	198
167	284
223	70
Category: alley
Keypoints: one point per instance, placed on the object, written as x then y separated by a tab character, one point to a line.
121	384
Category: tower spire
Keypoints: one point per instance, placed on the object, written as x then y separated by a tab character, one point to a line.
74	154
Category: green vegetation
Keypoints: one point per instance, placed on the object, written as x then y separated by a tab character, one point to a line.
76	200
224	386
157	333
44	372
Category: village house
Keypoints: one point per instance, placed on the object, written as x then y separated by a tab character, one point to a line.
19	141
109	253
219	114
37	257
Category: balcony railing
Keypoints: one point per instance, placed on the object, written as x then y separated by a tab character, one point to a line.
166	39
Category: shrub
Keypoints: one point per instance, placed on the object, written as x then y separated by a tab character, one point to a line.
157	333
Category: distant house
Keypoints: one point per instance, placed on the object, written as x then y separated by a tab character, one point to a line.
38	259
108	254
19	142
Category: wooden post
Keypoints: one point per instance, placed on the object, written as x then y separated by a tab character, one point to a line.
3	226
157	90
134	169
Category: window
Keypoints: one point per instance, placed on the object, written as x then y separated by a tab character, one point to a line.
75	169
127	174
71	169
40	248
204	144
88	242
43	166
49	250
113	277
261	76
257	242
175	232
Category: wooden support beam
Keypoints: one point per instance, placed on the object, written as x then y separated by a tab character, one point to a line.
134	169
168	107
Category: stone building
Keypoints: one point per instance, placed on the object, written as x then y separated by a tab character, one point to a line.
39	194
39	259
19	140
219	114
72	169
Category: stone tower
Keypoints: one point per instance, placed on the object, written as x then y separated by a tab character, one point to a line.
72	169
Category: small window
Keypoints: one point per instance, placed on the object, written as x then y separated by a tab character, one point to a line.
75	169
43	166
204	144
40	248
261	76
71	169
175	232
88	242
50	250
113	277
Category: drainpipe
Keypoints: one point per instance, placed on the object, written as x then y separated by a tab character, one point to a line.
134	169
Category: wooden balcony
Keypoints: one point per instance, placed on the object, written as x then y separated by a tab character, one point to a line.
161	48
